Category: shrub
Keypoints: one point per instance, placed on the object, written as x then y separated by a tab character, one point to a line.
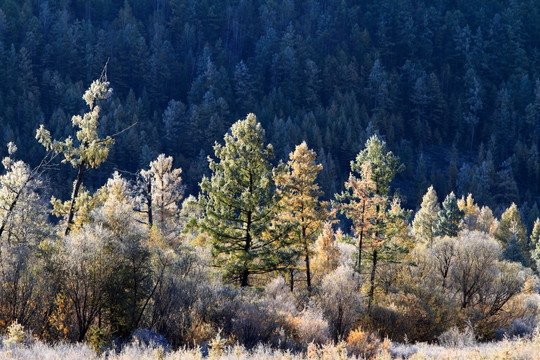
366	345
15	334
149	338
456	338
310	327
252	324
98	339
218	346
341	301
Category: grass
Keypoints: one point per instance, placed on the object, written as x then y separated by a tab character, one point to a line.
522	349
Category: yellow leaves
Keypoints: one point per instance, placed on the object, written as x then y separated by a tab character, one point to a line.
84	204
60	317
368	345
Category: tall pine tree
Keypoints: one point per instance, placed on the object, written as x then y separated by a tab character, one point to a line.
300	208
239	203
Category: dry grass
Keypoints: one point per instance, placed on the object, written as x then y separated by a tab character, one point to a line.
522	349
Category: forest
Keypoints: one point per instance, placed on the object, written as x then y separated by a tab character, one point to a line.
265	179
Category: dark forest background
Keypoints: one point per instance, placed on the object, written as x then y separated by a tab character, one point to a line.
452	86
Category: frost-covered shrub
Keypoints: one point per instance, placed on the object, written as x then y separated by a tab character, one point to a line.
456	338
365	344
341	301
252	324
279	298
524	327
149	338
15	334
310	327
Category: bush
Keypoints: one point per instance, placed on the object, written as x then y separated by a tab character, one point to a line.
98	339
456	338
15	334
341	301
149	338
366	345
252	324
310	327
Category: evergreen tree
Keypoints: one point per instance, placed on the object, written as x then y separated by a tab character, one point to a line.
359	203
300	209
473	102
535	234
239	203
383	166
471	213
448	218
424	220
161	191
512	234
535	244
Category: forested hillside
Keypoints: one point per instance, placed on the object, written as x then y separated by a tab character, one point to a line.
452	86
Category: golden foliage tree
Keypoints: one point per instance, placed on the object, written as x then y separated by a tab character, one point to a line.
301	212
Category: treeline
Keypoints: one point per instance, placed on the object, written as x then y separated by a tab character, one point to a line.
452	86
258	256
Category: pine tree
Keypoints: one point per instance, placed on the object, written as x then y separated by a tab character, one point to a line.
448	218
300	208
89	150
424	220
383	166
239	204
473	102
359	204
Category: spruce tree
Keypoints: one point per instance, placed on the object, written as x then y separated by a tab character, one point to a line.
239	203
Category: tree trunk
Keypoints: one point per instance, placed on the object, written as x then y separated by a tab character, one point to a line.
361	238
149	201
306	249
372	279
76	188
291	279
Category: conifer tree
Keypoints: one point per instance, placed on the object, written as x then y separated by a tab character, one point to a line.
161	190
448	218
535	234
89	150
535	244
239	204
300	208
513	236
424	220
326	254
471	213
359	204
383	166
